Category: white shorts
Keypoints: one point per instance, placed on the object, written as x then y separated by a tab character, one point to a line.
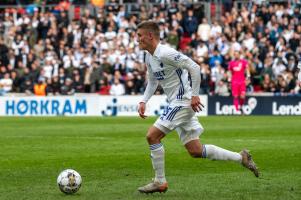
181	119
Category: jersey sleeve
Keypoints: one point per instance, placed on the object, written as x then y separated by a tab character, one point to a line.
179	60
152	84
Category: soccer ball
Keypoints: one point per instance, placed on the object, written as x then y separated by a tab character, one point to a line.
69	181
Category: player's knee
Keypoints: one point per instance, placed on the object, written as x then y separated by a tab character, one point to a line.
151	139
194	147
195	154
154	136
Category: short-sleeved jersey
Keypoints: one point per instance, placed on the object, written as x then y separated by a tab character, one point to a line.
170	68
237	68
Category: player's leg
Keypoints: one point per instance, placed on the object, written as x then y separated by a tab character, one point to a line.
154	136
212	152
189	134
242	95
164	124
235	94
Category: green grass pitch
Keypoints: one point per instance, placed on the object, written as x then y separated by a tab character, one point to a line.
112	156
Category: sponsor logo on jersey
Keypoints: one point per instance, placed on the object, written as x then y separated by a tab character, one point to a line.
237	67
159	75
177	58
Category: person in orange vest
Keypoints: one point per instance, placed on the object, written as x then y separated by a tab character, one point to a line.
40	88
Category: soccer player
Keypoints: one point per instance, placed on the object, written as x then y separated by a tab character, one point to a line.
169	68
238	67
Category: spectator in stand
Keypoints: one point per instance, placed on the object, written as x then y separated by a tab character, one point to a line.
49	44
215	29
204	30
6	84
217	73
55	85
67	88
278	67
281	85
117	88
40	87
95	77
3	52
215	58
78	85
105	87
202	51
190	23
221	89
129	87
16	80
291	83
266	84
27	87
205	79
49	90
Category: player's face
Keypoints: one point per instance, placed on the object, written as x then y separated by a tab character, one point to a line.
142	39
236	55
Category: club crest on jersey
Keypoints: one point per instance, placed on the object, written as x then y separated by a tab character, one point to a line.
159	75
177	58
238	68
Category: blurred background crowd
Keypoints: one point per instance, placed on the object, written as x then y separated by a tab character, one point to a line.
47	52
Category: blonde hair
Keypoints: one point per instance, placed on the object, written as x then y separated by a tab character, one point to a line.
150	26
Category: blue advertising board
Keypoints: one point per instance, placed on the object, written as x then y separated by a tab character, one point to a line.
256	105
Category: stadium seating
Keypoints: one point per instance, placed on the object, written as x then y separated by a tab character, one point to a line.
72	54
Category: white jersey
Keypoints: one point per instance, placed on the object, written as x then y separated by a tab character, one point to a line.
170	68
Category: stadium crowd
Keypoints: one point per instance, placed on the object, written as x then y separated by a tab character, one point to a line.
45	53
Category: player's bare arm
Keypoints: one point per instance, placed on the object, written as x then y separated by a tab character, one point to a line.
141	110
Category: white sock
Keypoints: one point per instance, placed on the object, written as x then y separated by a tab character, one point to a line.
157	156
216	153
